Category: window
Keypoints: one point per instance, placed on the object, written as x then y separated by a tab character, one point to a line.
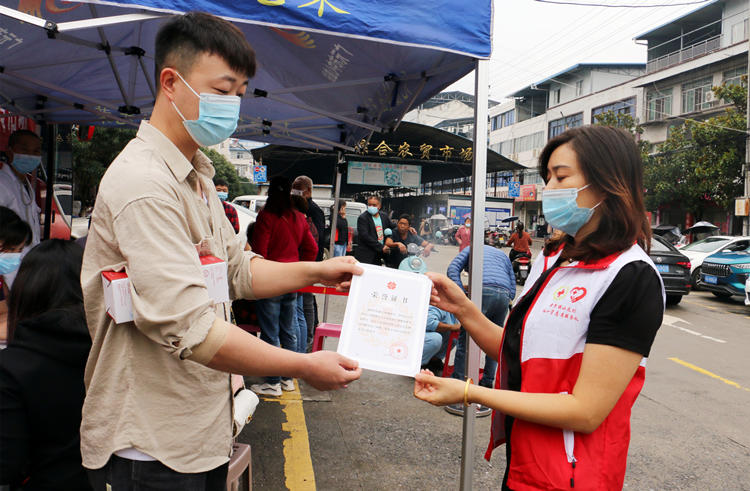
532	176
626	106
554	97
658	104
579	88
495	123
739	31
560	125
695	95
521	144
509	118
734	76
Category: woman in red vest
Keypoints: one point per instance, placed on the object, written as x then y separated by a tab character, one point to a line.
573	350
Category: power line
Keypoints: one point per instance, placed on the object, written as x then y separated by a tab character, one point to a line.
619	6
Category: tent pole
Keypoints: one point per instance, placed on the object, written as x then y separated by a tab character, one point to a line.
334	215
476	261
50	136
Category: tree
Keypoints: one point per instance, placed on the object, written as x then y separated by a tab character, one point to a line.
224	170
700	163
626	122
91	159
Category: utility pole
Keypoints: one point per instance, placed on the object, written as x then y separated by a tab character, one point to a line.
746	167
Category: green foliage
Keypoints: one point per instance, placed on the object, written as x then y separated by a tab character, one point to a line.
91	159
225	170
700	163
626	122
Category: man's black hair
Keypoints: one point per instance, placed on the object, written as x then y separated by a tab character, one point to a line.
376	197
18	134
218	181
14	232
519	225
406	217
184	37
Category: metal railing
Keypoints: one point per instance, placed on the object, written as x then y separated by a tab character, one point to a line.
685	54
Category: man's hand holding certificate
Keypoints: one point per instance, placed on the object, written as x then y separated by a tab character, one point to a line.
384	323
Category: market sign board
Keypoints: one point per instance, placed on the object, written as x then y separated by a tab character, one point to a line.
528	193
380	174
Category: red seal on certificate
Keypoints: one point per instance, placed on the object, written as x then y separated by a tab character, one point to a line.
398	351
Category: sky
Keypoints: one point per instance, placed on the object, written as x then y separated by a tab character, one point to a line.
533	40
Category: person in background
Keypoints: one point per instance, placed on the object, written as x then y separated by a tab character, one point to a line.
41	372
305	185
498	289
24	156
424	228
15	234
574	349
521	242
280	234
372	243
463	235
300	204
342	231
440	325
401	239
222	191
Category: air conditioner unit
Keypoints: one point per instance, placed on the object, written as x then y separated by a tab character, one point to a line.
709	97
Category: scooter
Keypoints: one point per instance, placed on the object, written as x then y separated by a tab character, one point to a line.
414	261
521	267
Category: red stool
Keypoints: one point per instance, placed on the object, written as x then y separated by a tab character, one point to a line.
240	466
325	330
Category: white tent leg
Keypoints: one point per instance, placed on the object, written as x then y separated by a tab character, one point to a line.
479	191
334	217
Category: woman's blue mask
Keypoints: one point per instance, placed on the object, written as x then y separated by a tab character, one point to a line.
217	117
25	163
9	262
562	211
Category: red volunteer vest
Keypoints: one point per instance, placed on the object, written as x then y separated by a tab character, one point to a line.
553	337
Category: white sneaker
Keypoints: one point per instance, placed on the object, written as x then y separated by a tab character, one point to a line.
287	384
267	389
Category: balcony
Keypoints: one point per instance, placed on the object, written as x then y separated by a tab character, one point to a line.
685	54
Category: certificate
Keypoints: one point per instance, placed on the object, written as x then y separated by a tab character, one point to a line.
385	320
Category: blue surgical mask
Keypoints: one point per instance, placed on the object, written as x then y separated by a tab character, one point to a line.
9	262
223	195
372	210
562	211
26	163
217	117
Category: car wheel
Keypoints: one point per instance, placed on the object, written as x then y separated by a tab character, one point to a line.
673	299
722	294
695	279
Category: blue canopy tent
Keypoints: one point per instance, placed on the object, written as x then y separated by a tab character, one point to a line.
330	72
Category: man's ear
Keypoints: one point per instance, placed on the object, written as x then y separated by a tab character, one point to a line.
167	80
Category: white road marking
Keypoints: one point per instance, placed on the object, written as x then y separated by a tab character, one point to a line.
671	321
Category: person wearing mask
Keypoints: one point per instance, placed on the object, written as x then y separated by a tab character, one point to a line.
41	370
372	243
498	290
15	234
520	240
304	185
16	192
222	191
342	231
401	239
573	350
158	404
463	235
281	234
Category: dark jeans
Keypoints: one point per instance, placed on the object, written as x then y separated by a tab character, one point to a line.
310	307
278	325
495	303
134	475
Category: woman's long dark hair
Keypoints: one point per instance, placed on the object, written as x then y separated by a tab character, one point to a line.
611	163
14	231
279	196
49	278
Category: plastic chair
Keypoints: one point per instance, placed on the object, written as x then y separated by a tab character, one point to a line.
240	464
325	330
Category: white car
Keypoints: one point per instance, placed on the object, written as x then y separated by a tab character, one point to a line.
700	250
245	217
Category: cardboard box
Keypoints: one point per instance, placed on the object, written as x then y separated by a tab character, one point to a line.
117	288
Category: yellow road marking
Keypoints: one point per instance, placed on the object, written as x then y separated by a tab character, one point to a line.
710	374
298	467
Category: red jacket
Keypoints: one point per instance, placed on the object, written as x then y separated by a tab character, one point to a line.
553	337
285	238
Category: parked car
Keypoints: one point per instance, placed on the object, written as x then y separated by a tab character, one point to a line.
698	251
245	217
674	268
725	273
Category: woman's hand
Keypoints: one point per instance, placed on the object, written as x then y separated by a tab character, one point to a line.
439	391
337	272
447	295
